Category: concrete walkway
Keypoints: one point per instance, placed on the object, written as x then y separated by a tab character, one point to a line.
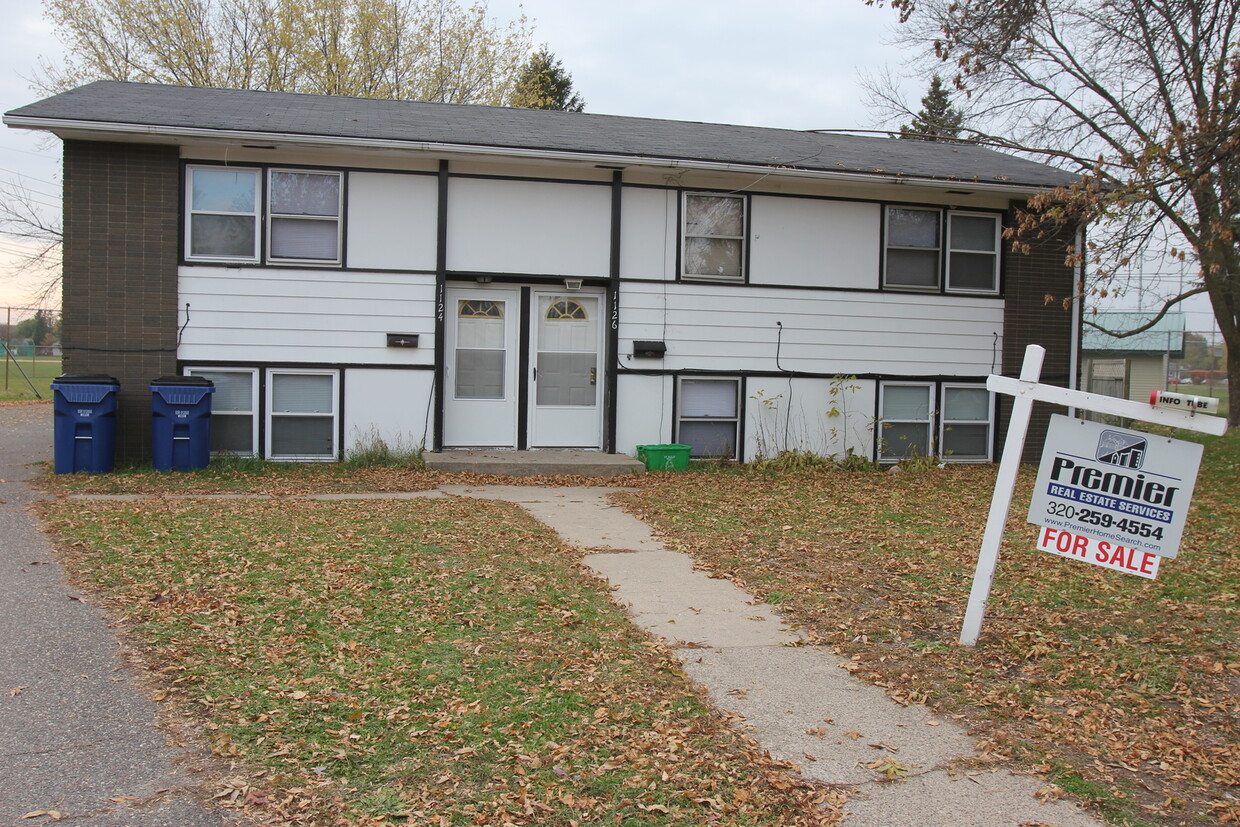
796	700
77	737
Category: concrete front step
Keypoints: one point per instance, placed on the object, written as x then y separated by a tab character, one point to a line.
533	463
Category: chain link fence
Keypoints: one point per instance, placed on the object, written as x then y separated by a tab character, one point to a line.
30	348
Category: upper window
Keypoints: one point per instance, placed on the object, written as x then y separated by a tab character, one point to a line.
226	209
972	252
714	237
304	215
914	250
223	214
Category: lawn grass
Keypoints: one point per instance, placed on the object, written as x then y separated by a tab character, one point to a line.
41	370
1124	689
232	475
437	661
1120	690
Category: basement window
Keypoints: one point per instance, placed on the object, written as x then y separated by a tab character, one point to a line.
709	417
234	409
302	415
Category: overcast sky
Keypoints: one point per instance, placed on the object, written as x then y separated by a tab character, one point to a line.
794	64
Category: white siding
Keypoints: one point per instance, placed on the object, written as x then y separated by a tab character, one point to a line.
387	405
644	411
276	315
804	241
528	227
812	426
648	234
824	331
392	221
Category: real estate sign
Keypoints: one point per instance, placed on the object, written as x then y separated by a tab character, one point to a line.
1111	496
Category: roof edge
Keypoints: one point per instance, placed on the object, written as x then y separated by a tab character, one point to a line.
123	128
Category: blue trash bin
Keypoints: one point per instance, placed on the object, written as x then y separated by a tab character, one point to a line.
181	422
84	406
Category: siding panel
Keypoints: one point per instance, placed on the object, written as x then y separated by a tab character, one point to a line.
528	227
305	315
648	234
392	221
806	242
734	329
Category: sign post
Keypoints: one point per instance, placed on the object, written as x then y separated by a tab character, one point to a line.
1070	503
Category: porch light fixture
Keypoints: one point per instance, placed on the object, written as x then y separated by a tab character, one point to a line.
482	279
572	285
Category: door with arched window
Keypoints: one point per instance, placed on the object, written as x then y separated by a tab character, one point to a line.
565	370
480	377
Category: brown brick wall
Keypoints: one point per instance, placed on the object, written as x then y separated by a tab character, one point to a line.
1028	318
121	204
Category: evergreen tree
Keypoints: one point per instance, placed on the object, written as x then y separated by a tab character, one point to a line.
938	120
543	84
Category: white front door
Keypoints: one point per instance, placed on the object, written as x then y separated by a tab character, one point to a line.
566	370
480	373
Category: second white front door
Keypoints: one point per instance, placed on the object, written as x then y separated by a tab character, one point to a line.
566	397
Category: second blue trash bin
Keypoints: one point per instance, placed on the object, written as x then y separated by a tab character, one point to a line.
181	422
84	432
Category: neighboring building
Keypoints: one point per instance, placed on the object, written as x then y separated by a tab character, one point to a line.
1130	367
451	276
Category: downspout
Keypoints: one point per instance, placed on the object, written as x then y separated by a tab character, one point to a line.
441	325
1078	299
612	359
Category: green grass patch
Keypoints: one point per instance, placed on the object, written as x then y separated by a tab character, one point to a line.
433	661
14	372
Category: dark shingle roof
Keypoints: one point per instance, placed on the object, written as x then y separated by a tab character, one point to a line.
180	107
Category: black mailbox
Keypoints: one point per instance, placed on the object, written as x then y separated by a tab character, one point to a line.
649	350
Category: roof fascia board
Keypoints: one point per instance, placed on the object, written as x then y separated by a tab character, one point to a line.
341	141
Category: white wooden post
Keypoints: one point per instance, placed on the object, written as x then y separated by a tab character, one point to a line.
1005	484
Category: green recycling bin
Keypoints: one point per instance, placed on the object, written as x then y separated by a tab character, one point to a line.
664	457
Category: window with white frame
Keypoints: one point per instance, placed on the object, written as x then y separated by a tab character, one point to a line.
912	248
302	414
714	237
904	420
222	205
914	252
964	425
708	418
959	429
225	210
972	253
234	409
304	216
